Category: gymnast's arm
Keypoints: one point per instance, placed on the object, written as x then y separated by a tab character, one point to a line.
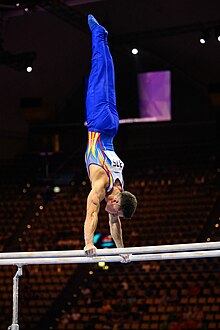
96	195
116	232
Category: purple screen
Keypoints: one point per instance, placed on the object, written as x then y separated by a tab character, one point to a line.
154	89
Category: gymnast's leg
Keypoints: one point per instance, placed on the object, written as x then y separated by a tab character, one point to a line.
101	108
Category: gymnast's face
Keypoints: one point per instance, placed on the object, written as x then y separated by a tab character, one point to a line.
113	206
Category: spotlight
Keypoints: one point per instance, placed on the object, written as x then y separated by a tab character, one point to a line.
217	33
204	37
29	68
134	51
56	189
29	65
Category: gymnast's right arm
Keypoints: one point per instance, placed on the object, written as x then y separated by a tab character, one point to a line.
96	195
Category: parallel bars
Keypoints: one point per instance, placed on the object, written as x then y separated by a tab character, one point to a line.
144	253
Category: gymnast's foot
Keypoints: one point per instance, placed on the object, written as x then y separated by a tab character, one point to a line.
93	23
90	250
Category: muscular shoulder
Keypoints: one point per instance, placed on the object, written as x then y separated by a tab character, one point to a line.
98	176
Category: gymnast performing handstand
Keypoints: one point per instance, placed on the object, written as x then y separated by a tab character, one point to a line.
103	165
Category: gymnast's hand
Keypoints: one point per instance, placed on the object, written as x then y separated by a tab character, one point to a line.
90	250
125	258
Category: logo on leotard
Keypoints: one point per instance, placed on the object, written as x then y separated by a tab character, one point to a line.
117	163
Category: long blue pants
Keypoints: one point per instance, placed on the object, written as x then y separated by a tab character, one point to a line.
101	111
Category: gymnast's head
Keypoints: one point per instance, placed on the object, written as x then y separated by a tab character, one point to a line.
123	205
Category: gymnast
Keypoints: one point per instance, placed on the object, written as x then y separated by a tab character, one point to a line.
103	165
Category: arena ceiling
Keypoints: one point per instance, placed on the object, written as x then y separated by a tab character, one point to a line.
54	35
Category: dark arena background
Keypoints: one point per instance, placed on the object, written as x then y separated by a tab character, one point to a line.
171	155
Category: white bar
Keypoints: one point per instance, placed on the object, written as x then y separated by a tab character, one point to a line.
139	257
113	251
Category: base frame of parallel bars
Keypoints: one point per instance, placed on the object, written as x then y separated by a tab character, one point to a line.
15	325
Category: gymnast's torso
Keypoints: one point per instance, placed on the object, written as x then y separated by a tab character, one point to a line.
100	152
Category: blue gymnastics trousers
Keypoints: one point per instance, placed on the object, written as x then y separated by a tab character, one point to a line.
101	111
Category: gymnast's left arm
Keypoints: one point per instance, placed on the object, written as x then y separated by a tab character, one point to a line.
116	233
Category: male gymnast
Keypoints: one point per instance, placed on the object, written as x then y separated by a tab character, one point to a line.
103	165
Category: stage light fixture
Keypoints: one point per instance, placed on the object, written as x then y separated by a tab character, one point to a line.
134	51
56	189
217	33
204	37
29	69
29	65
202	41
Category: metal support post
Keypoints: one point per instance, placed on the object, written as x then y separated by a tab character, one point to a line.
15	325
